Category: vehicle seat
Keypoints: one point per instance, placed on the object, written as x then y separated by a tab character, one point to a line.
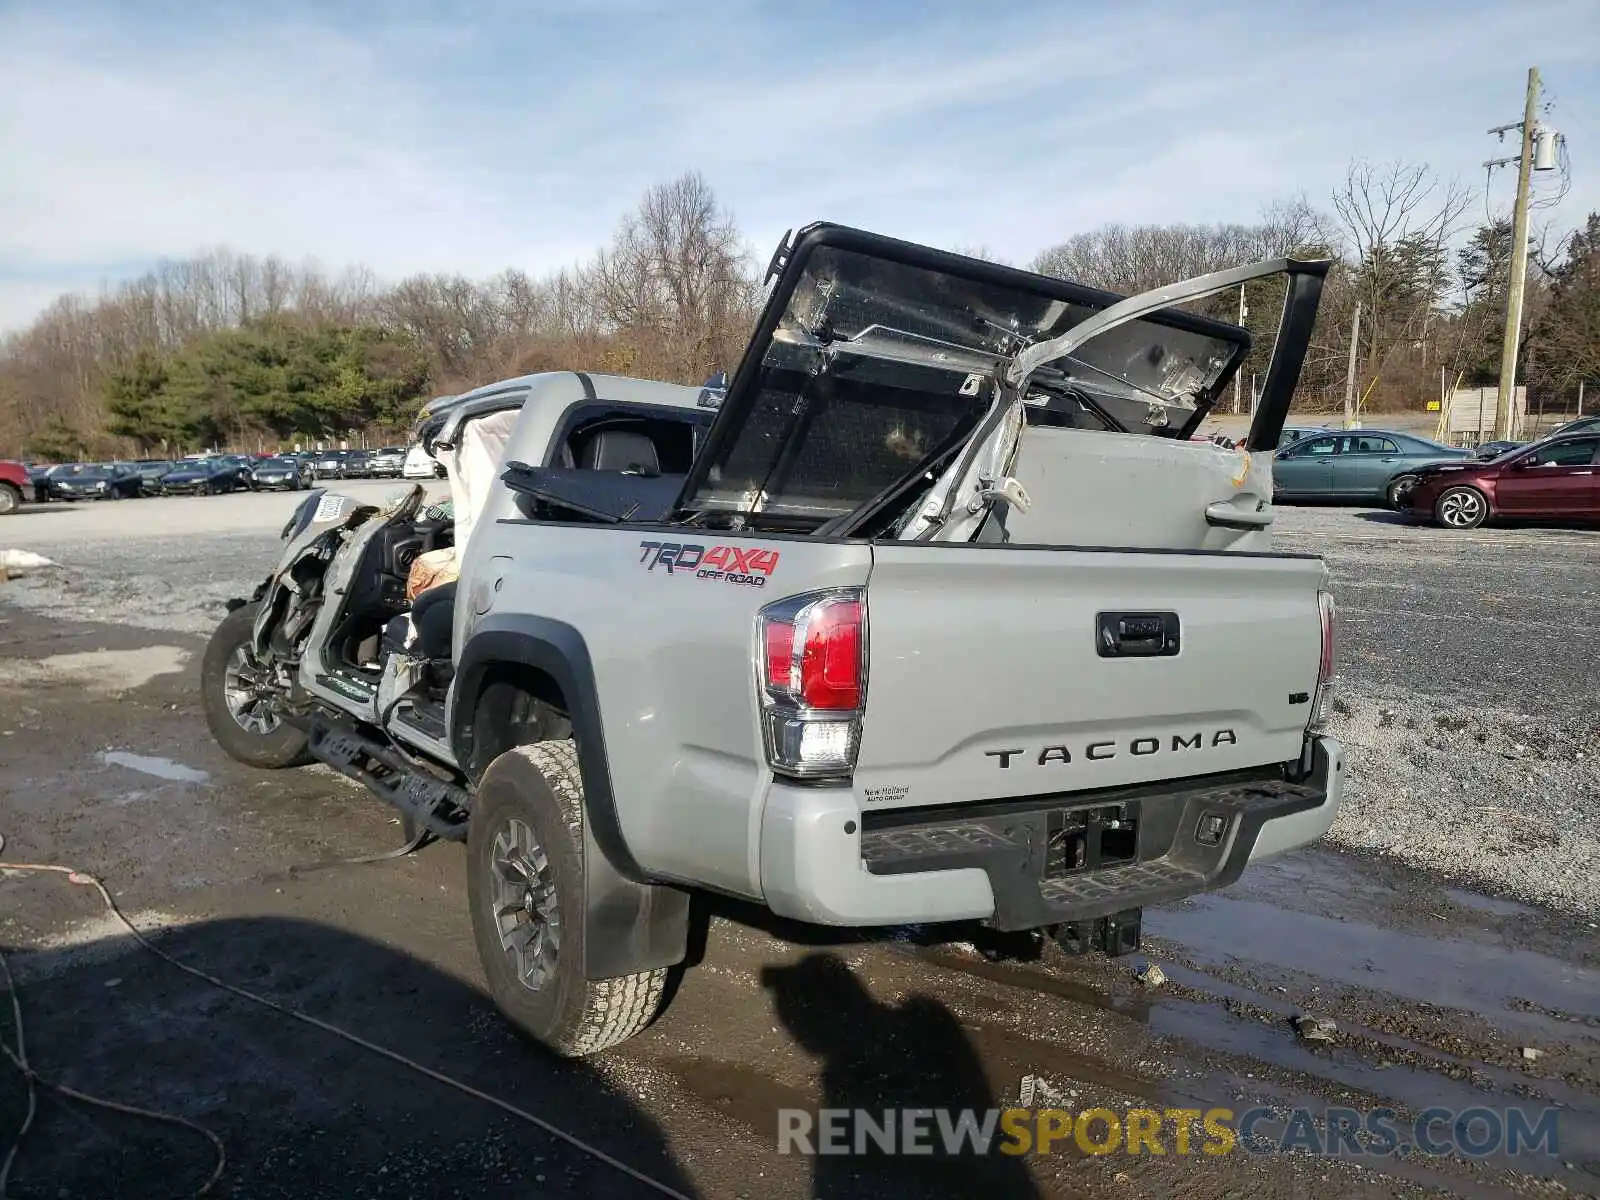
621	450
432	616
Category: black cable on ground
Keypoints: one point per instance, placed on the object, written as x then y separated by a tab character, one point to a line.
419	839
19	1056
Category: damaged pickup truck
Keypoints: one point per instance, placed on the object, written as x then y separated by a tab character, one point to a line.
934	614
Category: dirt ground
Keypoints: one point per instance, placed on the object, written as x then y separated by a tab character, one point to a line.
1441	970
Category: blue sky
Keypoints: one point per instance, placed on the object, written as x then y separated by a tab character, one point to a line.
475	136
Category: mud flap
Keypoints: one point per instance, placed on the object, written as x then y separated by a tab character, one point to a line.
630	924
628	927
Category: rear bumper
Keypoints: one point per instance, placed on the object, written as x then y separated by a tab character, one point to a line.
824	861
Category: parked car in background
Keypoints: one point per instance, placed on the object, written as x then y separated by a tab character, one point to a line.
420	464
37	473
1356	464
1484	451
14	486
205	477
46	486
387	463
39	478
357	465
1581	425
1293	433
285	473
100	481
1555	477
329	464
150	471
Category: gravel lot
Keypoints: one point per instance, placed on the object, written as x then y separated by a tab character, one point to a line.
1448	930
1469	698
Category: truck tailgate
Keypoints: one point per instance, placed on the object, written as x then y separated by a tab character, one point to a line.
986	677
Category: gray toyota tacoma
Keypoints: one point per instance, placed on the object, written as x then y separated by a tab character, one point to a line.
935	612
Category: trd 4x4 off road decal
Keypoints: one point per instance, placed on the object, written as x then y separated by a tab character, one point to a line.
748	565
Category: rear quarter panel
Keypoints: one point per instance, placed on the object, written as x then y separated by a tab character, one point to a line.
675	669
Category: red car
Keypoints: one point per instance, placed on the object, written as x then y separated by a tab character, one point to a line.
1553	478
13	486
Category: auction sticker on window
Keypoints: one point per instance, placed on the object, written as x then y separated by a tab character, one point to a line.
329	508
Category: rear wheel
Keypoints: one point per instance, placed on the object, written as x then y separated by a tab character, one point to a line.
525	889
1461	508
10	499
241	710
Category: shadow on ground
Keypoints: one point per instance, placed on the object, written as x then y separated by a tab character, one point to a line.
908	1056
306	1114
301	1112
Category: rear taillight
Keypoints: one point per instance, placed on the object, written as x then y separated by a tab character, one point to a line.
813	682
1322	708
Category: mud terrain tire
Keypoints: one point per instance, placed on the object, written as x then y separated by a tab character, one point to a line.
282	746
529	806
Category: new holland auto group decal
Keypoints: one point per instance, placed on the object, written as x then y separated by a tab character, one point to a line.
750	566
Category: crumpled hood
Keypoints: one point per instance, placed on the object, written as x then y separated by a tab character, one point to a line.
1453	466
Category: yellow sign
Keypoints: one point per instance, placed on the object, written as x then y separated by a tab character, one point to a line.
1433	406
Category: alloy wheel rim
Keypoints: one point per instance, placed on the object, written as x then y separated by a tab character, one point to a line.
248	701
523	904
1461	509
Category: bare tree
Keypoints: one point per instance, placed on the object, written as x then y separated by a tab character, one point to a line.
1380	205
1397	220
678	272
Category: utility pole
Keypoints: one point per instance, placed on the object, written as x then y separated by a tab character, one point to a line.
1238	379
1505	402
1350	371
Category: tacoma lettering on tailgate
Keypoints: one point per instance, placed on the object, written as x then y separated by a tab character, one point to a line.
751	566
1139	747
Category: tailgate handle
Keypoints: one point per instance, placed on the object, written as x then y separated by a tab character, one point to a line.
1136	635
1231	516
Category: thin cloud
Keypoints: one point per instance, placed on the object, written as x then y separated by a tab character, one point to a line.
495	134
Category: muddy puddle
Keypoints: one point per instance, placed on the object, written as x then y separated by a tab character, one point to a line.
1425	1020
1501	983
159	768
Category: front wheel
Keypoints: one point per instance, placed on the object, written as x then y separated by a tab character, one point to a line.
1461	508
241	709
525	889
10	499
1399	491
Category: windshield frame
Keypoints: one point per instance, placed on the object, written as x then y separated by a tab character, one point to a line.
790	262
